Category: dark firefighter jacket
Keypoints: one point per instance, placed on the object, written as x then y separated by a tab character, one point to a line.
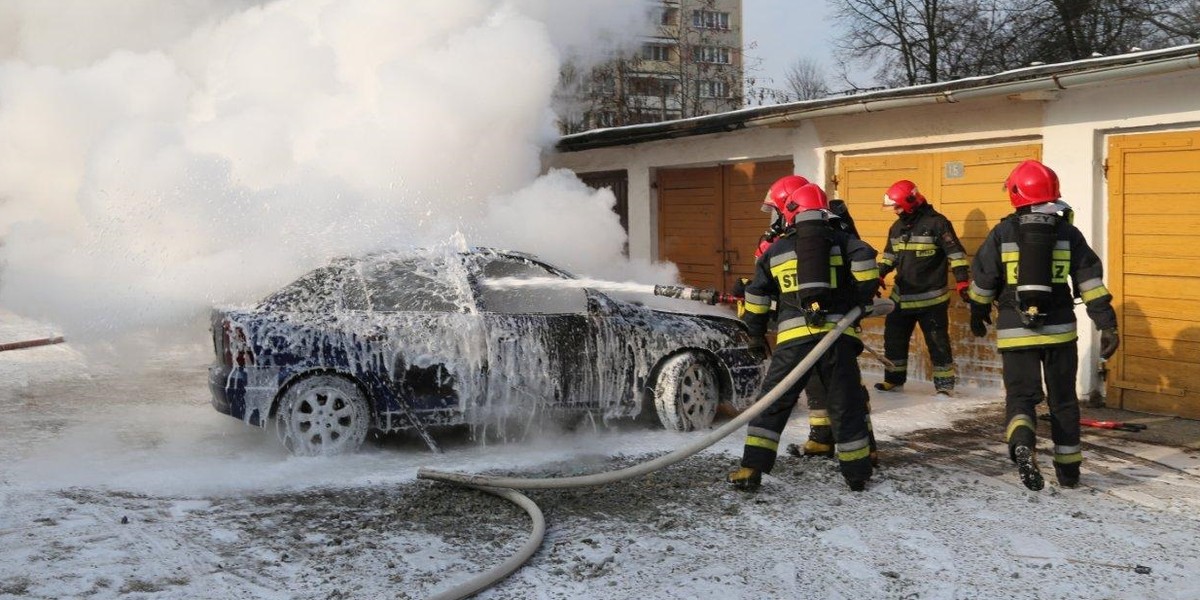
854	278
995	279
919	247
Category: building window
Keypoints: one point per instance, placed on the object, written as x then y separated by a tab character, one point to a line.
707	19
664	16
652	86
712	54
659	52
713	89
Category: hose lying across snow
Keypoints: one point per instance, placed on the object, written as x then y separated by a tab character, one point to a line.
487	483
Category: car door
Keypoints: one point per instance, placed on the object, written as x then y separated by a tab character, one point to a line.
427	340
540	341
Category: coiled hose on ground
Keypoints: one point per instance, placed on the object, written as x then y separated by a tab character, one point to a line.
504	486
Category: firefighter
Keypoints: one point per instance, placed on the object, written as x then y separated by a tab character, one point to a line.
920	246
1023	268
814	273
820	434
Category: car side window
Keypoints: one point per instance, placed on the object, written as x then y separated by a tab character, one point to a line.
527	300
410	286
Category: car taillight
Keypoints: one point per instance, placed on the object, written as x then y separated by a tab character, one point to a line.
233	339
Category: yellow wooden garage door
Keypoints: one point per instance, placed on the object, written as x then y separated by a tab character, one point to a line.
966	186
710	219
1154	233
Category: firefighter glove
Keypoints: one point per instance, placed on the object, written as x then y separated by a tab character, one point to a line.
739	287
981	317
1109	342
961	288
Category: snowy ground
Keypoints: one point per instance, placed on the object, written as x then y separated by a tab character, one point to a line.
119	484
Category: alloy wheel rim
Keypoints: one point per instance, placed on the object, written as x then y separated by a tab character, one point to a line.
697	397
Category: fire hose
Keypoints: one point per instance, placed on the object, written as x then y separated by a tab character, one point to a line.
504	486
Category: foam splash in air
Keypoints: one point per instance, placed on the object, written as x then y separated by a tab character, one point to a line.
554	282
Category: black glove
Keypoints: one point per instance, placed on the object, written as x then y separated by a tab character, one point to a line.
1109	342
739	287
981	317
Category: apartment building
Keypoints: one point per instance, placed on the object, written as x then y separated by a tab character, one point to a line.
690	64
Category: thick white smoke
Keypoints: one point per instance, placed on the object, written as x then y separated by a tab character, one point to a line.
160	157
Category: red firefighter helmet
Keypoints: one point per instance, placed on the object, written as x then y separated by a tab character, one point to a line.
780	191
905	195
808	197
1032	183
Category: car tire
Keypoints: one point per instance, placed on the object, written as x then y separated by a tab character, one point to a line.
686	393
323	415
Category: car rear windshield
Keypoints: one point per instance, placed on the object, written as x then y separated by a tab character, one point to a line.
323	290
411	285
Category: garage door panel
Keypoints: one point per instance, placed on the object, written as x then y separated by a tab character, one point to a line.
1169	161
711	215
1159	265
1159	308
686	179
1165	331
1161	183
1154	229
1163	373
1177	202
1184	352
1173	224
1162	404
1163	286
1159	245
756	174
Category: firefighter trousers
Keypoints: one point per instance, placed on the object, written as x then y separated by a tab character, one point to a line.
838	371
818	413
1023	372
897	331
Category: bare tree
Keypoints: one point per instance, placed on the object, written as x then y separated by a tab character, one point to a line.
911	42
805	79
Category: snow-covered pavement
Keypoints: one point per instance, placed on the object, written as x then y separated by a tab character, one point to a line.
126	483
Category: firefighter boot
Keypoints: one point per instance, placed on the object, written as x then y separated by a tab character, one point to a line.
1067	473
1026	459
747	479
943	385
819	442
887	386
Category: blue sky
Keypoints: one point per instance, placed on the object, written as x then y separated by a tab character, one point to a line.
785	30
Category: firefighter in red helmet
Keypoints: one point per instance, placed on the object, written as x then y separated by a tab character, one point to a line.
814	273
820	434
1022	267
921	245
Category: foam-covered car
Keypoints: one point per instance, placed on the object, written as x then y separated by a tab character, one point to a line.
416	340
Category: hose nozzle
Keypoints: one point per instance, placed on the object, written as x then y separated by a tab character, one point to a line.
707	296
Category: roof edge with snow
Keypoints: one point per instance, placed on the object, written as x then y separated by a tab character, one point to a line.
1028	80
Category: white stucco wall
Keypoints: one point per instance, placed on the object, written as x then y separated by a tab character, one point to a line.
1073	129
642	160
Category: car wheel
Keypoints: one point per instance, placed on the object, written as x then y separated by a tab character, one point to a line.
323	415
686	393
